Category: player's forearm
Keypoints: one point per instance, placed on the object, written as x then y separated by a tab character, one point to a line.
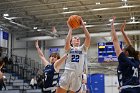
127	40
69	36
59	62
87	36
39	52
114	34
86	32
68	39
115	40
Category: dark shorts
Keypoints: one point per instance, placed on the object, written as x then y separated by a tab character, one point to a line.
131	90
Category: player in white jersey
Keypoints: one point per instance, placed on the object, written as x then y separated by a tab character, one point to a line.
72	76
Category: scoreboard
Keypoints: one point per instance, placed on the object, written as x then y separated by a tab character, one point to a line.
106	52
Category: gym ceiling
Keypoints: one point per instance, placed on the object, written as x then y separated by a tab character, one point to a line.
30	18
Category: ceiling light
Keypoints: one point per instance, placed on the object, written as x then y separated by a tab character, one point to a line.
85	22
133	18
98	3
110	20
65	8
133	22
99	9
39	30
69	12
5	15
89	25
35	28
124	0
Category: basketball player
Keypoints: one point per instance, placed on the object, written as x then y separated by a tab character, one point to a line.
51	67
126	39
72	76
128	68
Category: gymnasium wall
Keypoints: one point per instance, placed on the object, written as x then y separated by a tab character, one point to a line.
22	48
18	47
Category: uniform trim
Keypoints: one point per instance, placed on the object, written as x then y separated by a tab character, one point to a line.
129	86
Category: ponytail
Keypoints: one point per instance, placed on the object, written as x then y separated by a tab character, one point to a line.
137	55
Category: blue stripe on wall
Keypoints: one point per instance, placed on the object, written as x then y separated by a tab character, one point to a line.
5	35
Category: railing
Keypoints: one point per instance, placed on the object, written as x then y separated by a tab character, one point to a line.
23	67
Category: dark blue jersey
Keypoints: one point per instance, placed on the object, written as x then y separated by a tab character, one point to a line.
128	70
50	74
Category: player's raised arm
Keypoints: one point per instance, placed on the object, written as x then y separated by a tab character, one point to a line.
115	39
126	38
68	38
41	55
87	35
59	62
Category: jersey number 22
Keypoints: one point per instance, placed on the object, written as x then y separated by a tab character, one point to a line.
74	58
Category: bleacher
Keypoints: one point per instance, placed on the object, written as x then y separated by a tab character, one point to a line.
19	73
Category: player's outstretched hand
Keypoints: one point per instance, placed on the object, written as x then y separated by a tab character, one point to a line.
123	26
82	22
112	23
113	19
36	44
70	28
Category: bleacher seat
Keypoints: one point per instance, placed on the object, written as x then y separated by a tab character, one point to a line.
34	91
10	91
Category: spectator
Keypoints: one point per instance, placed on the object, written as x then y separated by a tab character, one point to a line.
5	59
10	60
33	83
40	81
2	84
1	74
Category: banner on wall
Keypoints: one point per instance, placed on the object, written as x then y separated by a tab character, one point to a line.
53	50
4	39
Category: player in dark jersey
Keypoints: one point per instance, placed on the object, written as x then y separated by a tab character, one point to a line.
127	40
128	68
51	67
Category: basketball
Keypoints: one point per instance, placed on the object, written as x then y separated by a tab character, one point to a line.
74	21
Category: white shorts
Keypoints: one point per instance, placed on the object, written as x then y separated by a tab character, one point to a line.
70	81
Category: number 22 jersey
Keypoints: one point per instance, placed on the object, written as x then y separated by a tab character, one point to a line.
76	58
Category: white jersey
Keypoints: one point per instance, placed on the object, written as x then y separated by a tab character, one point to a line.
76	58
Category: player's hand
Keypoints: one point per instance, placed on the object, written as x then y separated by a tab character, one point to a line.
113	19
112	23
123	26
82	22
36	44
70	28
